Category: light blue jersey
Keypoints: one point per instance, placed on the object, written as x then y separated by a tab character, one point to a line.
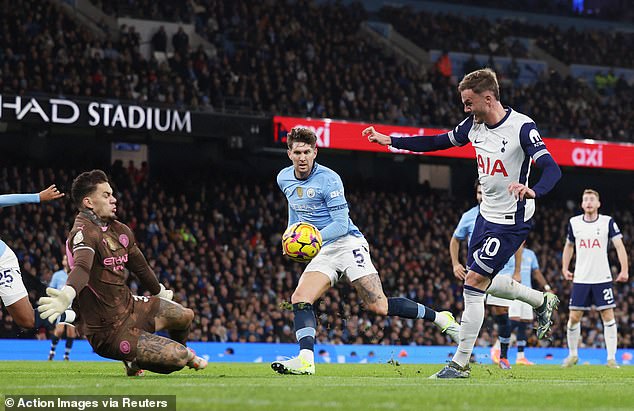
58	281
466	223
7	200
319	200
529	263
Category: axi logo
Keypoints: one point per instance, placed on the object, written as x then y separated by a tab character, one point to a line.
589	157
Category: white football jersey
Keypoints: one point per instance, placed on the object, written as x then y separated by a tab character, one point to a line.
503	155
591	246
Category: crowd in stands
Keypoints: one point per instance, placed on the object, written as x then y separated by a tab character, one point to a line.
272	57
215	242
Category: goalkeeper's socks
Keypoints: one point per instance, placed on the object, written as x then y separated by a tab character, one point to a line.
406	308
305	326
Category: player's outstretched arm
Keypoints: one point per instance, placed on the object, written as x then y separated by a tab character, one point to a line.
50	193
420	144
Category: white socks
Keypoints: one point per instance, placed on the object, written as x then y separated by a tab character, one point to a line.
609	333
503	286
470	324
573	333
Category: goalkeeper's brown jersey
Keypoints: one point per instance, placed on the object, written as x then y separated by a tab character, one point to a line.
100	256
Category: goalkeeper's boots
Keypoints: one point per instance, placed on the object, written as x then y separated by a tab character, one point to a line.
197	363
570	361
452	329
544	314
453	370
296	366
132	369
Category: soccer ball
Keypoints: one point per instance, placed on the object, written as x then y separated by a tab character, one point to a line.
301	242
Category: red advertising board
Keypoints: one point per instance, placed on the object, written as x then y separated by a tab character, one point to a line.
346	135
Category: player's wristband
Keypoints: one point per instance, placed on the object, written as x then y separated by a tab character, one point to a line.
547	287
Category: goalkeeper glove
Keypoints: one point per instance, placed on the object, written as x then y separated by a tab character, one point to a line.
165	293
56	303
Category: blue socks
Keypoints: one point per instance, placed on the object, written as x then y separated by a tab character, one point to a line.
406	308
305	325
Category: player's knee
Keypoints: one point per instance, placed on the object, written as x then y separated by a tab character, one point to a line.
188	315
299	297
25	321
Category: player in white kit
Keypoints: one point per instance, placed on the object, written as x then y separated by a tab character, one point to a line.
505	144
589	235
12	291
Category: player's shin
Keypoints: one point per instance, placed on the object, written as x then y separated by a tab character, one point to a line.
305	329
573	334
610	335
470	324
521	338
504	286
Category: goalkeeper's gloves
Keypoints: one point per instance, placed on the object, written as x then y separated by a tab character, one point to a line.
165	293
56	303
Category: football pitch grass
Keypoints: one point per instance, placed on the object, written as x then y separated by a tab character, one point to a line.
240	386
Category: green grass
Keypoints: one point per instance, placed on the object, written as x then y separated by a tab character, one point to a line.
346	387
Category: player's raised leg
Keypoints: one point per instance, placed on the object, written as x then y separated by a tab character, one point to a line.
370	290
177	320
311	286
544	303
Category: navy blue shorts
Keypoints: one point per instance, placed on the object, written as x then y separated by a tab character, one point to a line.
583	296
491	245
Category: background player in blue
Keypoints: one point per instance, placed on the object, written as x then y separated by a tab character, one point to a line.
12	291
589	235
505	141
316	195
521	314
58	281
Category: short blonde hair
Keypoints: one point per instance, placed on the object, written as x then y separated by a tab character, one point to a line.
591	191
480	81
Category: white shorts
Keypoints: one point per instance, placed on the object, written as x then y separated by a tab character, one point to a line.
500	302
12	288
520	309
348	256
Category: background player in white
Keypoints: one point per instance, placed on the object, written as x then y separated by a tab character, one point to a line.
58	281
316	195
588	236
520	313
505	142
12	291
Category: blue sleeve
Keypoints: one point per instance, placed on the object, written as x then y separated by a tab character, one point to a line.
532	142
534	262
613	229
570	236
292	216
54	282
335	200
551	173
462	230
15	199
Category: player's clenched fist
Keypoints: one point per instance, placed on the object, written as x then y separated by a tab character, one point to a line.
376	137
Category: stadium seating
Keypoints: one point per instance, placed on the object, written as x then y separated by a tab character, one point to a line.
219	251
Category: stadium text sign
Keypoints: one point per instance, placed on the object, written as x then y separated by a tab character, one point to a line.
94	114
345	135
